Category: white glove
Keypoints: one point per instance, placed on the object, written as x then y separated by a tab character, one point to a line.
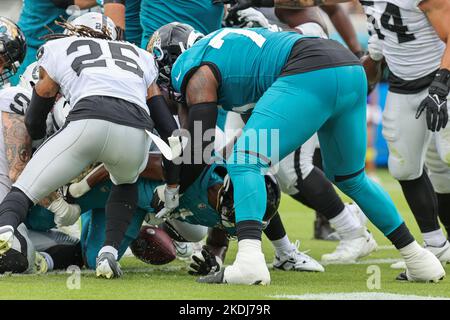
375	48
171	202
253	18
66	214
78	189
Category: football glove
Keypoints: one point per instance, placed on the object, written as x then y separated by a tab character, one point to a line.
205	264
248	18
435	103
244	4
171	202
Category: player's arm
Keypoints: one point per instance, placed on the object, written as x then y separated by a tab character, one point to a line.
435	104
201	102
438	13
115	9
17	143
82	4
42	101
344	27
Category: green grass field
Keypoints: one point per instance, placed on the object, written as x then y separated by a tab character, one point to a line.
142	281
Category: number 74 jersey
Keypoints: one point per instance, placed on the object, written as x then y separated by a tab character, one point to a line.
86	67
411	46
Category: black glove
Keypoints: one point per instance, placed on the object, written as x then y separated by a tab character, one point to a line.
204	267
436	102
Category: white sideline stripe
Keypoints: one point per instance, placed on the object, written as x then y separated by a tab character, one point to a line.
368	261
386	247
356	296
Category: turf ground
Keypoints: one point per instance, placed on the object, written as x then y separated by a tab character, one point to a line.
142	281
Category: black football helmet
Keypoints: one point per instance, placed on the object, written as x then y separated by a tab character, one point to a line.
12	49
225	205
168	43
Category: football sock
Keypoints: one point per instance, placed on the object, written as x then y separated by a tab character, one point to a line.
401	237
444	210
249	229
434	238
109	249
14	208
282	246
119	210
422	201
346	224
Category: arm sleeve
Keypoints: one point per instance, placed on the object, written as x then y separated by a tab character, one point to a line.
36	115
206	113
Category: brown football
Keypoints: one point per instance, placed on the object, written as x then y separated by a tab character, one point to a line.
153	246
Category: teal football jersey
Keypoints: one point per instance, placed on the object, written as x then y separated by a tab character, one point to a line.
36	14
133	29
194	206
202	15
247	60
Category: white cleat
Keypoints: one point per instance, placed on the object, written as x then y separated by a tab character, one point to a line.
421	265
350	250
442	253
40	264
249	268
297	261
6	238
184	250
107	266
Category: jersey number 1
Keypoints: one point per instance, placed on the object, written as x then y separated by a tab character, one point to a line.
122	61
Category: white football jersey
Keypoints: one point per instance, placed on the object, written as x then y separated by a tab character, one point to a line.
12	100
85	67
411	46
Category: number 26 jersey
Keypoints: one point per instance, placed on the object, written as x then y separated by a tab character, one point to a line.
411	46
85	67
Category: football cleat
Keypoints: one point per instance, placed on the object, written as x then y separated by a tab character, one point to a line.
421	265
297	261
40	263
350	250
442	253
6	238
107	266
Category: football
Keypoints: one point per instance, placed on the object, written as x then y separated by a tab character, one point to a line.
153	246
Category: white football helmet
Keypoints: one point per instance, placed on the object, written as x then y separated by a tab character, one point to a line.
96	21
30	77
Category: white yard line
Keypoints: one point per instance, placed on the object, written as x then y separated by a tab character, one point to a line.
356	296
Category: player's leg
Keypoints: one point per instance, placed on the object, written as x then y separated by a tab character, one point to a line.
93	234
408	139
439	173
277	114
343	145
59	160
287	255
124	161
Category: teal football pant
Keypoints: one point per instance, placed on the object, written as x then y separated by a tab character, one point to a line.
331	102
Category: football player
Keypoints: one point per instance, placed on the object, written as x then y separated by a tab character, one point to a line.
296	173
414	39
108	108
288	79
31	251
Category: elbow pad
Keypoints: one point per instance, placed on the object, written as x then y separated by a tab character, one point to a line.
36	115
63	4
